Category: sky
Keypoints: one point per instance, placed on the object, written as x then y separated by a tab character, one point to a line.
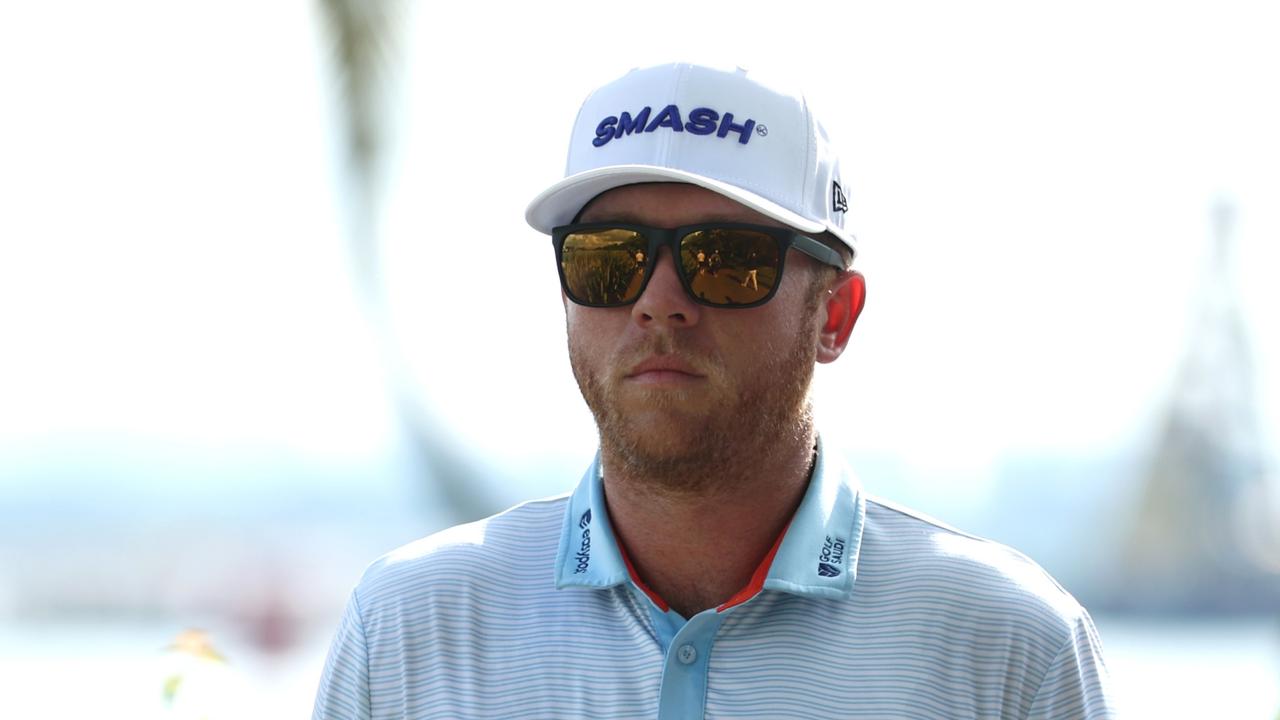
1031	185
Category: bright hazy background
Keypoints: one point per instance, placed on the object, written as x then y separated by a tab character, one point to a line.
232	373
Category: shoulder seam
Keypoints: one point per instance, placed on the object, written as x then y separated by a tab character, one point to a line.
364	646
1044	677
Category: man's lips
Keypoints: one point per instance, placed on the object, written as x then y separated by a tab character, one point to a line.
663	368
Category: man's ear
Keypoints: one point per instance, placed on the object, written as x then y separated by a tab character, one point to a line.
844	304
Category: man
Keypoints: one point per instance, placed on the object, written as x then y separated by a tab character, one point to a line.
715	560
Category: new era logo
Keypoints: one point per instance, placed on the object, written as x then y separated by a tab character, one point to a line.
838	202
828	570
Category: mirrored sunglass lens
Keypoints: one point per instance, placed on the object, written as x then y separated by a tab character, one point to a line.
604	267
729	266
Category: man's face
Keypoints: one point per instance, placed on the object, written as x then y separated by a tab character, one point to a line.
681	391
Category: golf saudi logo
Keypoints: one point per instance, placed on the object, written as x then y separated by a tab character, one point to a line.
832	557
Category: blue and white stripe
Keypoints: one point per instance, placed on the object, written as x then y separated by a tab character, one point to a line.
500	618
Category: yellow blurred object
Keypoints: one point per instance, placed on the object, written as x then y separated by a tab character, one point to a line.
195	642
197	681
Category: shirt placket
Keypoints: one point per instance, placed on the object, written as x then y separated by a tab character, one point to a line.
684	671
686	650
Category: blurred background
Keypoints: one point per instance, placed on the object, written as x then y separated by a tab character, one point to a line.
269	308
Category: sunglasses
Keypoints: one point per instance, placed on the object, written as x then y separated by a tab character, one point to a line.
724	265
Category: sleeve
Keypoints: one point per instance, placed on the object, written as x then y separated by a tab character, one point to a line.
344	684
1076	684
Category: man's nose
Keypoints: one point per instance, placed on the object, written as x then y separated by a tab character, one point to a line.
664	301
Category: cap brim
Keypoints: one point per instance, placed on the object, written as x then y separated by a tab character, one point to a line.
560	203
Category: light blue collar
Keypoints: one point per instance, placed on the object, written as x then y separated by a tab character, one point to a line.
818	555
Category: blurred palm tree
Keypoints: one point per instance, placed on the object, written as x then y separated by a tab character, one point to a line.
365	42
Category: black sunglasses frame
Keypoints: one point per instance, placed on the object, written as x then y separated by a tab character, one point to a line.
671	237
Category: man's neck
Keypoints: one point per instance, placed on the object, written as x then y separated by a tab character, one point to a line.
697	549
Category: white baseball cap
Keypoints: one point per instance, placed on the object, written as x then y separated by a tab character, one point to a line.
721	129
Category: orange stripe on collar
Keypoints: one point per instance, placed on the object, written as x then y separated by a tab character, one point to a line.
752	588
758	577
635	578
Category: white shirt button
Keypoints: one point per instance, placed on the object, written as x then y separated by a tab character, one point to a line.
687	654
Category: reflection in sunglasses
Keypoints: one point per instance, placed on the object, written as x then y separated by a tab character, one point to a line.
730	266
727	265
604	267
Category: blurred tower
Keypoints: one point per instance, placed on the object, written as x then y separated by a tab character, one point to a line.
1205	537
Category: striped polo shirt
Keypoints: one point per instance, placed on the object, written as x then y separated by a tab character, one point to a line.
861	610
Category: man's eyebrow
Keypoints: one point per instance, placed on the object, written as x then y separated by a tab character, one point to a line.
618	217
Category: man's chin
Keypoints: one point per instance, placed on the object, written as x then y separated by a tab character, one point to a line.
659	438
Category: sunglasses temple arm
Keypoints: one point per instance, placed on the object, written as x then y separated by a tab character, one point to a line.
817	250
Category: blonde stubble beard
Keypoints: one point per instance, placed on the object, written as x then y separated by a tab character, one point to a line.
718	445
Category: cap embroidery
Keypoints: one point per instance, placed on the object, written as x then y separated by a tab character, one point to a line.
702	121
